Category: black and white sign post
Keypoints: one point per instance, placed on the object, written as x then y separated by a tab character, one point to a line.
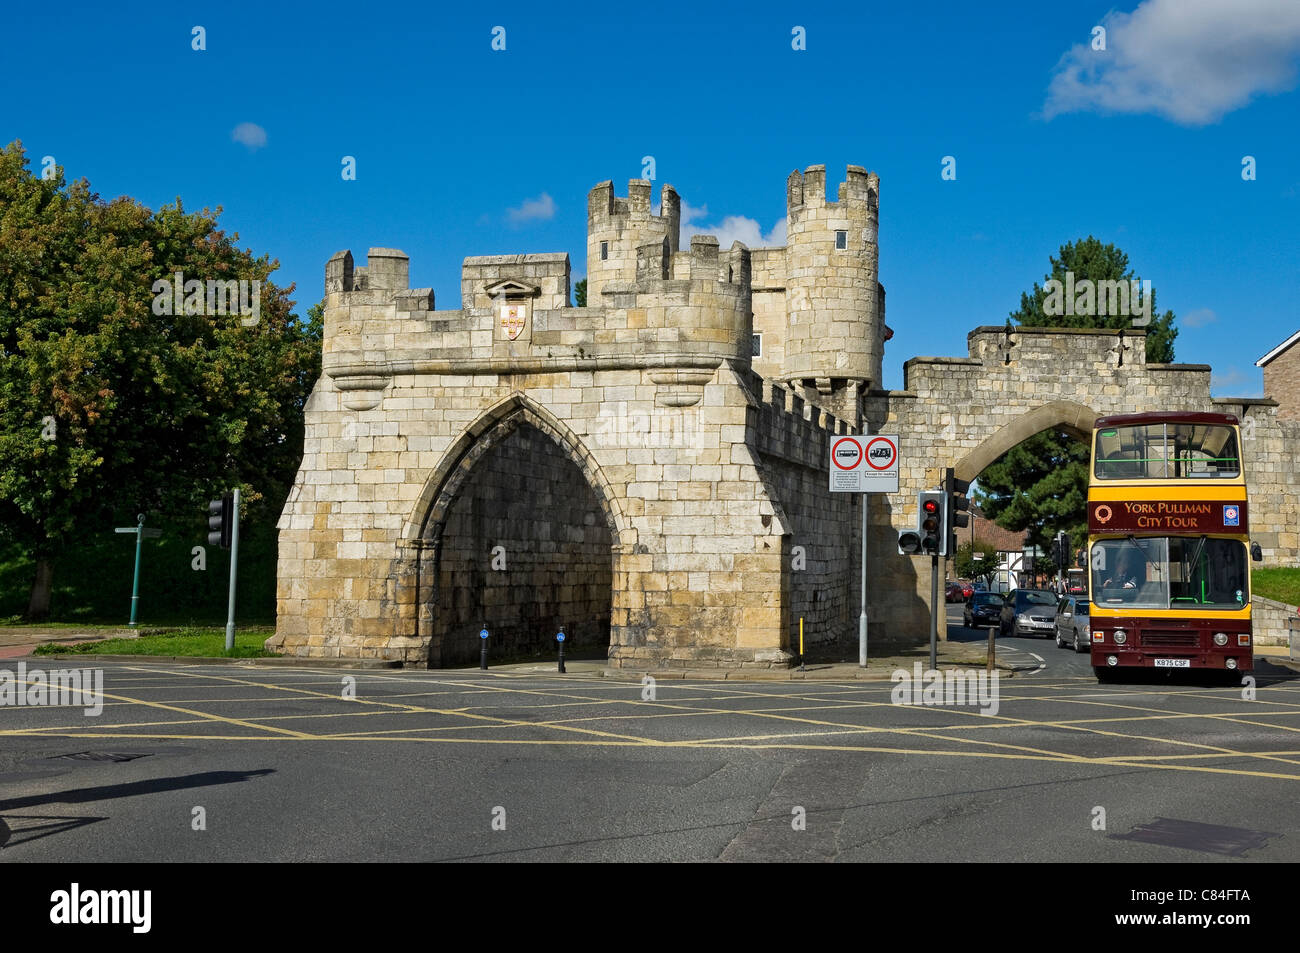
864	464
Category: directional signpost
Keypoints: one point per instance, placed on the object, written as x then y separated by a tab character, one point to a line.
141	534
862	463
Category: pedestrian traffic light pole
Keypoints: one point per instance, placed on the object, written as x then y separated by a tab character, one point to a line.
934	612
223	524
234	565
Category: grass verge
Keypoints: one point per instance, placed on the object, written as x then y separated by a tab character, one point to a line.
189	642
1280	584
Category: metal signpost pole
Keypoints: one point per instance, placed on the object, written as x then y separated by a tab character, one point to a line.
861	463
234	565
862	619
135	583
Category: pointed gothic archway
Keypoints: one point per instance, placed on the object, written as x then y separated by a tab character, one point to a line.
519	531
1074	418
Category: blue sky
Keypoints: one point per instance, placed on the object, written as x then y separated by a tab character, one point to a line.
1140	145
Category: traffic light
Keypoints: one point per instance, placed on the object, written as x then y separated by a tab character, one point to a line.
221	517
930	513
909	543
955	494
1058	552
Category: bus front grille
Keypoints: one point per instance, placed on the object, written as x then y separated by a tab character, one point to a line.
1170	639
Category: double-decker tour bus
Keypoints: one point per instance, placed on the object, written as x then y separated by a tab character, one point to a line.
1168	552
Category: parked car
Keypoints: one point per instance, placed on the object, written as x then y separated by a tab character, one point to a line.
1073	623
984	608
1028	612
967	590
980	586
952	592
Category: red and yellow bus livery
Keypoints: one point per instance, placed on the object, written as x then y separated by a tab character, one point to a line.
1168	544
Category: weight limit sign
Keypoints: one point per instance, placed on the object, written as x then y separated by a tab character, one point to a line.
864	464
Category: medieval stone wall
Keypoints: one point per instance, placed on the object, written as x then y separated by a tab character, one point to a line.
705	471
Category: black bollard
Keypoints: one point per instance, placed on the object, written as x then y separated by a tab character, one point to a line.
483	637
560	638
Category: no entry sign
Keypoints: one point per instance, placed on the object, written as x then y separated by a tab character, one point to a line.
864	464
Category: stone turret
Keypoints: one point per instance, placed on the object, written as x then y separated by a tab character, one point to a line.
617	228
834	314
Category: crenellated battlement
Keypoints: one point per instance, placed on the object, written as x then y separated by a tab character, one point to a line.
652	299
617	228
859	193
792	429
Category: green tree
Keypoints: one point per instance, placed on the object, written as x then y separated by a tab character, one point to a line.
968	567
580	294
107	405
1041	485
1090	259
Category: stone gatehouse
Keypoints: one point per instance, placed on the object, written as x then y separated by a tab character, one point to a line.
634	472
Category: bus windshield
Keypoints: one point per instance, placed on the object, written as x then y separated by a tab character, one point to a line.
1175	572
1166	452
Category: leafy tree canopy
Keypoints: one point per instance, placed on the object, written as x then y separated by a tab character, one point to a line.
1089	259
107	405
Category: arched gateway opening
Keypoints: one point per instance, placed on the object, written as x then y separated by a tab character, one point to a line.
1054	488
519	538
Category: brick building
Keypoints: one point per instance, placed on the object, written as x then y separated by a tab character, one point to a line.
1282	376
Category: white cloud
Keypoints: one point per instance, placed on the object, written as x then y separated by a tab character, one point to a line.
1191	61
1199	318
249	134
733	228
540	209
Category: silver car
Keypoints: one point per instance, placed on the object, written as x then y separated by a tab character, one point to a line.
1028	612
1073	623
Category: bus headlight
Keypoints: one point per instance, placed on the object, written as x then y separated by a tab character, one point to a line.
1120	637
1230	663
1220	638
1111	660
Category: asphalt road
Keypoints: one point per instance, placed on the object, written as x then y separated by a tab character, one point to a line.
493	766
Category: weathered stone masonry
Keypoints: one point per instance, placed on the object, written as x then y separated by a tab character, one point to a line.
648	481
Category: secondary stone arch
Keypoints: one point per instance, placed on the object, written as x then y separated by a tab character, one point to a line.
1074	418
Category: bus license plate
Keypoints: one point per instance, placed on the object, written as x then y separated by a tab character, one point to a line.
1173	663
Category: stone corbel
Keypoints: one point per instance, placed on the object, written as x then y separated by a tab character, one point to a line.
680	387
362	391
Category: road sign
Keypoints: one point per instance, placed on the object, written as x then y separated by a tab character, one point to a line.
482	634
864	464
559	637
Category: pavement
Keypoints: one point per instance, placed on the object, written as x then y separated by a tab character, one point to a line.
20	640
884	658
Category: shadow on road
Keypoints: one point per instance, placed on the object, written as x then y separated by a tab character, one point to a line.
109	792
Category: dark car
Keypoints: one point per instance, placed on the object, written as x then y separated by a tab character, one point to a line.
1029	612
984	608
1073	623
952	592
